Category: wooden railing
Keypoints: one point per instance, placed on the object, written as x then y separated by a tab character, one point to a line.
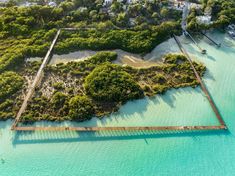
222	125
36	80
204	89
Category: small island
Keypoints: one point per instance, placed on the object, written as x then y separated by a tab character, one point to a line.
96	86
81	90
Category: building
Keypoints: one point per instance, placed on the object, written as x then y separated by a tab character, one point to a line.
205	19
52	4
109	2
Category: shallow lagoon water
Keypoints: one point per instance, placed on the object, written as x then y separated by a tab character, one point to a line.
140	153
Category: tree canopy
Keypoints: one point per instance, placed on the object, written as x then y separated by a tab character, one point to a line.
80	108
10	83
108	82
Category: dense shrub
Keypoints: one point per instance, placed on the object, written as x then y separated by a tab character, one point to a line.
10	83
108	82
174	58
80	108
222	12
58	100
135	41
103	56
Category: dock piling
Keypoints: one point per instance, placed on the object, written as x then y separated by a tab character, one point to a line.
36	80
209	38
203	87
203	51
39	75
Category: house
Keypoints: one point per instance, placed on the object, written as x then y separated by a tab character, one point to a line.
52	4
205	19
109	2
177	4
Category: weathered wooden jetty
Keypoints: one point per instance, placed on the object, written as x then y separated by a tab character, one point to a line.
39	75
203	51
203	87
209	38
132	128
36	81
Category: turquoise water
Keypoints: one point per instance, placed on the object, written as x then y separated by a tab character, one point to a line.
140	153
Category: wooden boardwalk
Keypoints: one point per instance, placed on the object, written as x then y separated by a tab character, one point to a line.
194	41
35	82
204	89
222	125
215	43
148	128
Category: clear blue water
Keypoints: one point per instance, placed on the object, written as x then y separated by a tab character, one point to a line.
140	153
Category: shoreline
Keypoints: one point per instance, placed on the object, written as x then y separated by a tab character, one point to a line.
175	79
150	59
134	59
124	58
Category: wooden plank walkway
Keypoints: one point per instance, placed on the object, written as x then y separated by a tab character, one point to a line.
148	128
137	128
194	41
204	89
217	44
35	81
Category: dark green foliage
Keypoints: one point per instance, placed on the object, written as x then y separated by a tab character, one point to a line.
58	100
159	78
58	85
27	32
100	87
141	41
104	56
174	58
14	51
80	68
32	67
108	82
223	14
38	104
80	108
6	104
159	89
6	109
10	83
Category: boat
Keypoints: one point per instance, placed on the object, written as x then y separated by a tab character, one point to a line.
203	51
231	31
231	27
231	34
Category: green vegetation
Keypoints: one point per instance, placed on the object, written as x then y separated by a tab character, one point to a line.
222	11
80	108
58	100
10	84
80	90
96	86
108	82
135	41
27	31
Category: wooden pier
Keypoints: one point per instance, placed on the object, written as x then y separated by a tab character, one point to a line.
39	75
144	128
203	87
203	51
215	43
36	81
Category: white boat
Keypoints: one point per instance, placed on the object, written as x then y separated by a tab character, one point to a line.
231	27
231	31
